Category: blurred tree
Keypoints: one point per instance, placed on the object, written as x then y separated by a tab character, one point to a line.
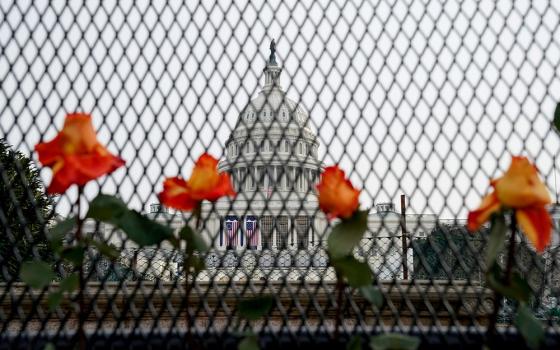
25	212
449	252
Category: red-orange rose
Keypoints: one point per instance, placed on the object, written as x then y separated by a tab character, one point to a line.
520	189
205	183
337	196
75	155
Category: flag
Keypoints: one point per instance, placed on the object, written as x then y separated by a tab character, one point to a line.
232	225
252	231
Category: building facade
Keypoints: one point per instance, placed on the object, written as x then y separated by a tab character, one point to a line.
273	228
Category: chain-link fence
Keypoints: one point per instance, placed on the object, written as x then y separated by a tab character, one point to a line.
420	102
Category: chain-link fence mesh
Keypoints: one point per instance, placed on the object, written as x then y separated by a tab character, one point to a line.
425	99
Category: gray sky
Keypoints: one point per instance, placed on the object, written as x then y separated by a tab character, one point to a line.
414	97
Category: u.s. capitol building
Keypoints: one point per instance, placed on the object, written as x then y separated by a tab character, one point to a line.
273	228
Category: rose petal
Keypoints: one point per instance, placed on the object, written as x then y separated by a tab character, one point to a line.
478	217
176	194
536	224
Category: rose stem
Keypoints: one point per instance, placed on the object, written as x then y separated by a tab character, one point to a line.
506	278
81	310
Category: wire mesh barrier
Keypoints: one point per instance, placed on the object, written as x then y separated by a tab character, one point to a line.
420	103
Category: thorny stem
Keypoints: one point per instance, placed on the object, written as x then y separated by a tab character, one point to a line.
498	297
81	311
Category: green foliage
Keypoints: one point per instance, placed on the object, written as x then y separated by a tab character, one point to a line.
355	343
249	343
518	288
356	273
497	238
74	254
530	327
37	274
255	308
394	341
57	233
137	227
25	213
449	252
373	295
347	234
193	240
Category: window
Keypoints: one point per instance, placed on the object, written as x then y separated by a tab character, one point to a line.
250	183
302	148
302	230
282	233
282	174
285	148
249	147
267	223
266	146
260	176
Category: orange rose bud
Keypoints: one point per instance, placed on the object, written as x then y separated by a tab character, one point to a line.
337	196
522	190
75	155
520	186
205	183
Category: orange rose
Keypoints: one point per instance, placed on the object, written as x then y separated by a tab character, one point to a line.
75	155
520	189
337	196
205	183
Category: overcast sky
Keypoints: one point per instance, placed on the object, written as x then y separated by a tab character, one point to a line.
413	97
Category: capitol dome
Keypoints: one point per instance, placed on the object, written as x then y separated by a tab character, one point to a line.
272	157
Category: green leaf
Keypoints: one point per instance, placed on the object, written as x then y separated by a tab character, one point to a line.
197	264
137	227
357	274
249	343
70	283
518	289
58	231
74	254
107	250
373	295
255	308
347	234
557	117
54	299
394	341
497	238
142	230
37	274
194	241
355	343
107	209
530	327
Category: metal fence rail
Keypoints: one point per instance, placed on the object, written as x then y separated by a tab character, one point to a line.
420	102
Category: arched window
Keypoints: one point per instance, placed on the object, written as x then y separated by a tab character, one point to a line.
285	148
266	146
249	147
250	179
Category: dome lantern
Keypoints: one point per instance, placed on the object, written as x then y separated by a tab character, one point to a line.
272	70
